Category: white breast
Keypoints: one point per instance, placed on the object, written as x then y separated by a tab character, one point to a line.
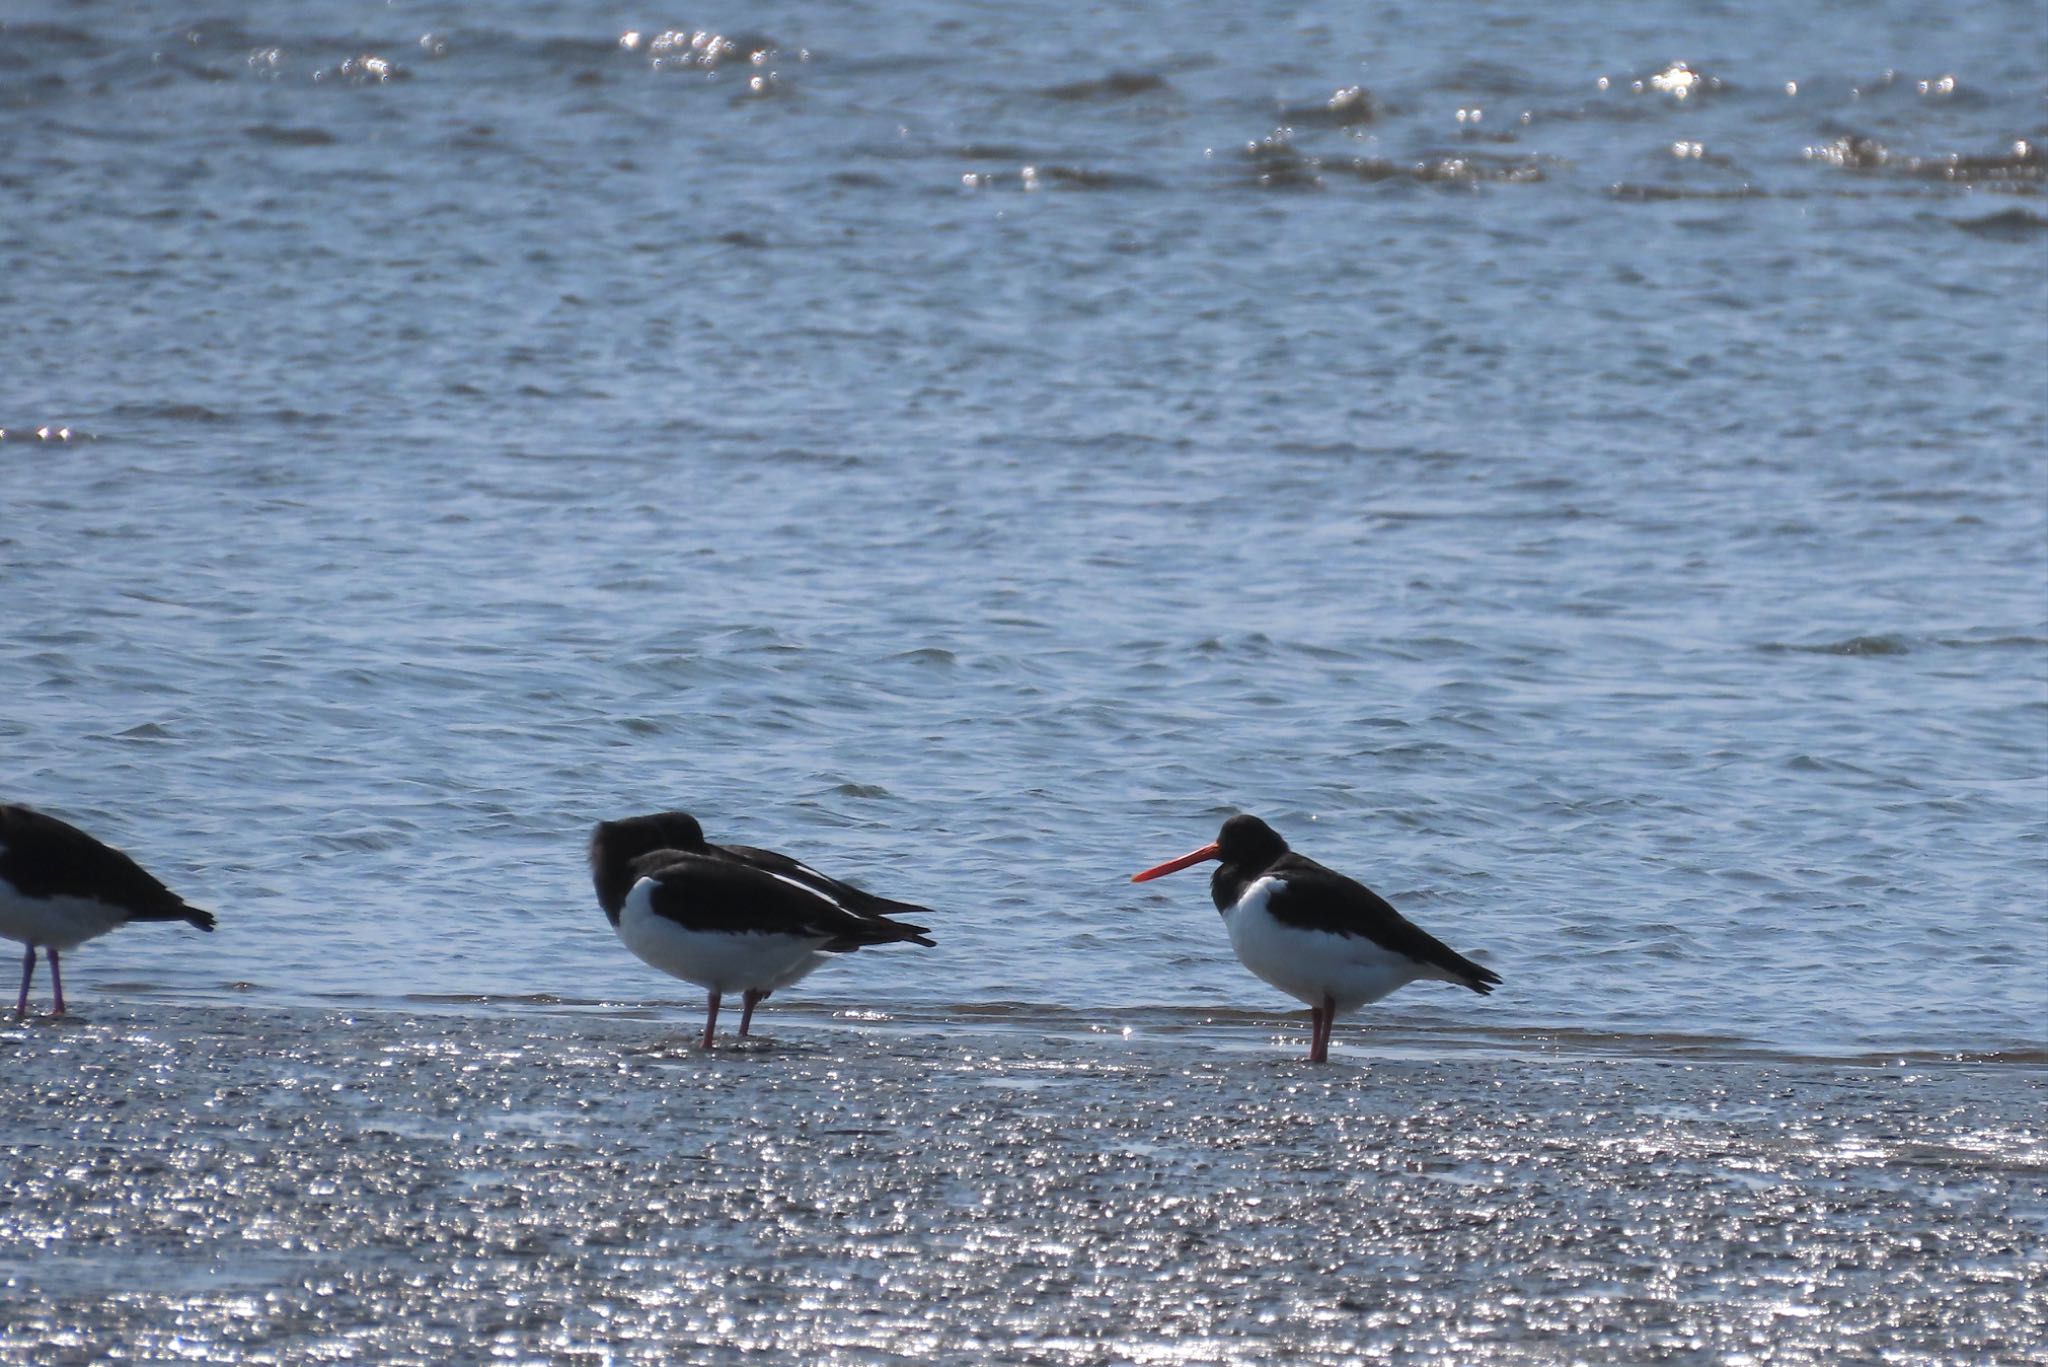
1313	964
58	922
724	962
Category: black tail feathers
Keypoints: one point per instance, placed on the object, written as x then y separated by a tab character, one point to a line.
177	912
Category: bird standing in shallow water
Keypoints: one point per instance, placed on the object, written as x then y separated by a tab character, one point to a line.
730	918
1315	934
59	887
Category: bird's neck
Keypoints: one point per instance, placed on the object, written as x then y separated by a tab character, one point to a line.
1228	882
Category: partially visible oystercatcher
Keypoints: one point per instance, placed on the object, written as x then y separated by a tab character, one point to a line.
59	887
730	919
1315	934
680	831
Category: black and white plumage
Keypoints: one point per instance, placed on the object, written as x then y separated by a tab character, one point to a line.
1315	934
59	887
731	919
681	832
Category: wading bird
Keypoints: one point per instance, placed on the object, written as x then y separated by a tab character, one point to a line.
731	919
59	887
1315	934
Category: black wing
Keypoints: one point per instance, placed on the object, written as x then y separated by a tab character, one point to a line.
865	904
44	857
708	894
1316	898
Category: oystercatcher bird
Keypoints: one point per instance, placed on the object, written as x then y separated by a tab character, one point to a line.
730	918
681	831
1315	934
59	887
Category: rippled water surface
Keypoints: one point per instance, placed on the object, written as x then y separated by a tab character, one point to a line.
1579	469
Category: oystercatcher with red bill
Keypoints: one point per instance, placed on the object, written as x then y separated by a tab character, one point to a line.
1315	934
731	919
59	887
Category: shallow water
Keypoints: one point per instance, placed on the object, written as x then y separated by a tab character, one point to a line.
1611	522
570	1187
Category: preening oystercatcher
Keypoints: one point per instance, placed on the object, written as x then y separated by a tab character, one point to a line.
59	887
681	831
730	918
1315	934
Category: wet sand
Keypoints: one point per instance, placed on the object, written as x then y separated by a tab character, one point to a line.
272	1186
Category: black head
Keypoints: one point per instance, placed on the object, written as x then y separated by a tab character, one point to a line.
615	845
1249	842
1246	845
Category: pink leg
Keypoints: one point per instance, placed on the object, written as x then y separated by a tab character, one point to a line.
28	973
56	981
711	1020
751	998
1315	1032
1321	1051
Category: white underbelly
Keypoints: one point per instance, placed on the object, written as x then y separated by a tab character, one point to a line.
58	922
720	961
1314	965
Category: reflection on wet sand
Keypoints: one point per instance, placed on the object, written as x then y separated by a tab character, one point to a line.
571	1187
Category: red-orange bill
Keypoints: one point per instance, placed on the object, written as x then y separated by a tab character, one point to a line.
1175	865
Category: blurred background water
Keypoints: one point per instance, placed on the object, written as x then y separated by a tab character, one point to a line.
1577	468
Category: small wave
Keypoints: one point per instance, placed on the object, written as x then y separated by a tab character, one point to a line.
2021	163
362	841
1679	81
366	69
1851	152
1629	190
1347	108
1992	642
48	431
1117	85
698	49
926	655
1036	177
1854	645
171	412
982	151
281	135
1446	168
2010	225
57	35
802	455
1276	163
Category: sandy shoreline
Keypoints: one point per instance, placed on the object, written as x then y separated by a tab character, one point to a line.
238	1185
